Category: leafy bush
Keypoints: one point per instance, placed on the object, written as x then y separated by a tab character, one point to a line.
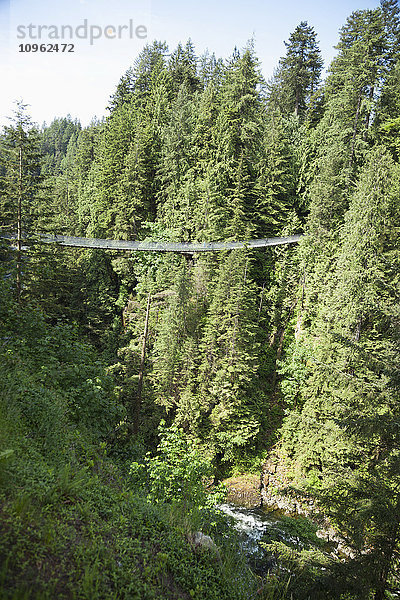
177	472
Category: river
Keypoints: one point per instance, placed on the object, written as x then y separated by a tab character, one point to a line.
256	525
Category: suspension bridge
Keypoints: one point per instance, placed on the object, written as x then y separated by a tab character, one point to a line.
159	246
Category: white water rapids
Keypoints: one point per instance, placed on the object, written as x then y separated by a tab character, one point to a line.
255	524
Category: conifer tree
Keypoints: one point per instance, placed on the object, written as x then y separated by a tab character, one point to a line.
207	208
183	67
173	344
87	175
388	104
342	436
278	175
239	133
391	18
135	84
341	140
178	158
229	363
20	181
299	72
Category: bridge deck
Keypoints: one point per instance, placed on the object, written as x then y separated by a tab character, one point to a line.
148	246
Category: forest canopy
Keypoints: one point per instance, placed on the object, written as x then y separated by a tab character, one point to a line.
288	351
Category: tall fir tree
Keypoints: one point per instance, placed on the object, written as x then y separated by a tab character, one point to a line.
297	78
21	180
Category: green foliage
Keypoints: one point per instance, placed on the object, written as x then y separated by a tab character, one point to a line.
298	75
90	539
306	574
49	379
72	526
200	150
302	532
177	473
341	436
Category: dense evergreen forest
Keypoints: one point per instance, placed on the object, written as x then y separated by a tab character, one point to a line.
132	384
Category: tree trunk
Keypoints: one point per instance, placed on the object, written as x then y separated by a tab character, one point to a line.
138	403
297	102
353	141
368	117
19	229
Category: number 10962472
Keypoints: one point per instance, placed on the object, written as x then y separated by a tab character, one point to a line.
46	48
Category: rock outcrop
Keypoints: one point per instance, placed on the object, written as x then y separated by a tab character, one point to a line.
244	490
277	494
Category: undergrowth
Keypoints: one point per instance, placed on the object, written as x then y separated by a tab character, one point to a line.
74	524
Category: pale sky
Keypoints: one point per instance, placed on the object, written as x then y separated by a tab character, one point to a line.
80	83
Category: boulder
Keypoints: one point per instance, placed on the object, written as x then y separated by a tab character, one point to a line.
202	542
